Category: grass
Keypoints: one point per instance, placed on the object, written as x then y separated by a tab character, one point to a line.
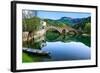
28	58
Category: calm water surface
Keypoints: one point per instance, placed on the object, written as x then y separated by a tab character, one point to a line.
67	51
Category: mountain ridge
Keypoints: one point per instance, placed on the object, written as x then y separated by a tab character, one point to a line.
69	21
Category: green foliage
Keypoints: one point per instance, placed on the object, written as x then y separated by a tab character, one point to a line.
27	58
84	21
31	24
66	20
32	44
87	28
75	23
84	25
51	35
54	23
84	39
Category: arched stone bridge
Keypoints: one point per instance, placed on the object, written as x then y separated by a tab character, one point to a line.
60	29
66	29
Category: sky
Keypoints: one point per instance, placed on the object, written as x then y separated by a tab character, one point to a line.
55	15
58	15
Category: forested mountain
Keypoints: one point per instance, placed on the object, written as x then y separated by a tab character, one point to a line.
68	21
83	24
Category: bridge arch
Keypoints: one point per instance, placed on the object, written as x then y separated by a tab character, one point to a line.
55	28
72	32
63	30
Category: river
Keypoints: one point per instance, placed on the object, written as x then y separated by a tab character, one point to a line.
67	51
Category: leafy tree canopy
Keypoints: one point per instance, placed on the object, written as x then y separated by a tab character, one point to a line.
30	24
87	28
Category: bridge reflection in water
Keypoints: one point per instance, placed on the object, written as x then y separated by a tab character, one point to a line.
61	29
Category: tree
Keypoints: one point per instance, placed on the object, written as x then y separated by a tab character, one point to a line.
87	28
32	25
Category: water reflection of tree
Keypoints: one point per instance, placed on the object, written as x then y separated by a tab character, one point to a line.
65	37
64	33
